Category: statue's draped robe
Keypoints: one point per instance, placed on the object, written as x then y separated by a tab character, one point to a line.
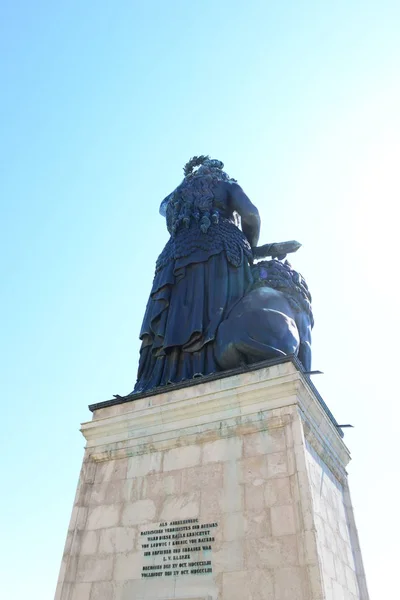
199	277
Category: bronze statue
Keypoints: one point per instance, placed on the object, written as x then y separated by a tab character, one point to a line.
209	308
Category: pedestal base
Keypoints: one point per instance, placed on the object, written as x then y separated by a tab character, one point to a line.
233	488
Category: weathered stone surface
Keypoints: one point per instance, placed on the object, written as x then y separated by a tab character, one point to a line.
144	464
95	568
239	456
137	513
290	584
277	464
103	516
220	501
207	477
111	492
181	458
257	525
254	498
233	526
160	484
81	591
249	585
180	507
333	536
103	590
282	520
117	539
278	492
127	566
89	542
223	450
271	552
229	558
111	470
264	442
253	470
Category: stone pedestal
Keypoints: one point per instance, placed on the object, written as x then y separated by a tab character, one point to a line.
233	488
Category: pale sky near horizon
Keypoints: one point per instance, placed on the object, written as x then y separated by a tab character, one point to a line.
101	105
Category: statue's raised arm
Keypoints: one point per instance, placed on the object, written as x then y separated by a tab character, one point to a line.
210	308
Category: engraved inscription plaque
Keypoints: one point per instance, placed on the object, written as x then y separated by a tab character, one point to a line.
177	548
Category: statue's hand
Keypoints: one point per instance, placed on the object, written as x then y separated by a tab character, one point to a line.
279	256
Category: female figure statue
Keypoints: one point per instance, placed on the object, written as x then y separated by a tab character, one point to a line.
203	271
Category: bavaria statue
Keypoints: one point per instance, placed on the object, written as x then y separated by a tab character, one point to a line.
215	304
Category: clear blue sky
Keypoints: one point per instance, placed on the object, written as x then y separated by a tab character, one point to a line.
101	104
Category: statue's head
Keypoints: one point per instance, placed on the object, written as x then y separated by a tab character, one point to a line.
202	165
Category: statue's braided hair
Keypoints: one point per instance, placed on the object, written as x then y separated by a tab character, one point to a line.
193	199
